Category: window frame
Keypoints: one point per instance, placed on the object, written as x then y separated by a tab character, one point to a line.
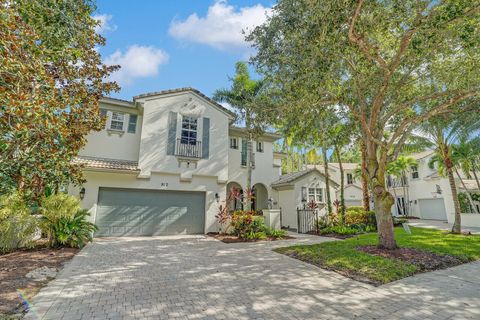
260	146
130	123
117	121
350	179
316	195
192	133
415	174
235	144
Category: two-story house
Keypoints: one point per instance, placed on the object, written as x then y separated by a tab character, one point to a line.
424	193
164	163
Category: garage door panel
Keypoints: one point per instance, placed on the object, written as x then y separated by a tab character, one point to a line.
433	209
132	212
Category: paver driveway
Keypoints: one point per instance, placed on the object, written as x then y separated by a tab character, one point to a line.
201	278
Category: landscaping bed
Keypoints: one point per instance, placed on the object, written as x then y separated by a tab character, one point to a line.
358	258
16	265
225	238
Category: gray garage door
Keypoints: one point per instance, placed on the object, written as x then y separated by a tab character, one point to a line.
432	209
134	212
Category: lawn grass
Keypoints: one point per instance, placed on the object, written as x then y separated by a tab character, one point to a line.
343	257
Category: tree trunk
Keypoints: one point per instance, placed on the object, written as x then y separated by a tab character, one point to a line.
395	198
342	184
405	191
451	180
327	180
248	200
474	171
366	197
382	198
472	204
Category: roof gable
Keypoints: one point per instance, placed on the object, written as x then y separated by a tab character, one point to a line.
193	91
291	178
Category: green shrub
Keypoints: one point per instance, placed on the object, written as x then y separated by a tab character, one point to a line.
17	225
74	231
247	225
260	235
275	233
55	208
356	209
339	229
356	216
244	222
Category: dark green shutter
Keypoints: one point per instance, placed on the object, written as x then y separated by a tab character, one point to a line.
244	152
172	132
132	123
206	138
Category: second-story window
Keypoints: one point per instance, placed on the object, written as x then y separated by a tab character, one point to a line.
259	146
189	130
415	174
132	123
233	143
349	178
116	123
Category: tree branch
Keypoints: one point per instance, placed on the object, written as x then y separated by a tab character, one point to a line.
370	52
405	124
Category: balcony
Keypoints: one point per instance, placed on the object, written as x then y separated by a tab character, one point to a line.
191	149
397	183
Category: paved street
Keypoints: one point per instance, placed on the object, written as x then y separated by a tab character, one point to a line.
197	277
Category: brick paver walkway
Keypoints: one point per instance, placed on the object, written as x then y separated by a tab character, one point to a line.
201	278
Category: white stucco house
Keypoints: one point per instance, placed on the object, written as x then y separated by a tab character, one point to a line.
424	193
164	162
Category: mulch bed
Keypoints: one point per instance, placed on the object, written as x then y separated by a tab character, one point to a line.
424	260
225	238
13	268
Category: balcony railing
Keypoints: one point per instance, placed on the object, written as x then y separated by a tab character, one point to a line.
188	149
397	183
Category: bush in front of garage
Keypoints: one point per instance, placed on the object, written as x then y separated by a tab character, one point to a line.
64	222
17	225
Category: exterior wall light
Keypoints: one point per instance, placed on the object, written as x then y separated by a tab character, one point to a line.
82	193
217	197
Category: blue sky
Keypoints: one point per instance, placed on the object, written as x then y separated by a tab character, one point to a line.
166	44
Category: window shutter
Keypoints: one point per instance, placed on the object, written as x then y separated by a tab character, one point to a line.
132	123
244	152
103	114
206	138
172	133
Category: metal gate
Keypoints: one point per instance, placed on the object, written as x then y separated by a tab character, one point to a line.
307	220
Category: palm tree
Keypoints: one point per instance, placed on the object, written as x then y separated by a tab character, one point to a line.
399	168
443	132
467	152
242	96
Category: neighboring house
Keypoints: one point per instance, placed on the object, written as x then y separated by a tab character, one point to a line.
296	190
164	162
424	193
353	189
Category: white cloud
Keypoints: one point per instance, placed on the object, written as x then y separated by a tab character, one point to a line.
222	27
105	21
136	62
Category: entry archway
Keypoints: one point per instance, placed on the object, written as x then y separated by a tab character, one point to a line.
235	204
260	197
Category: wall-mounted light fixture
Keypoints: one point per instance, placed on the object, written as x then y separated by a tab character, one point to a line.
82	193
217	197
